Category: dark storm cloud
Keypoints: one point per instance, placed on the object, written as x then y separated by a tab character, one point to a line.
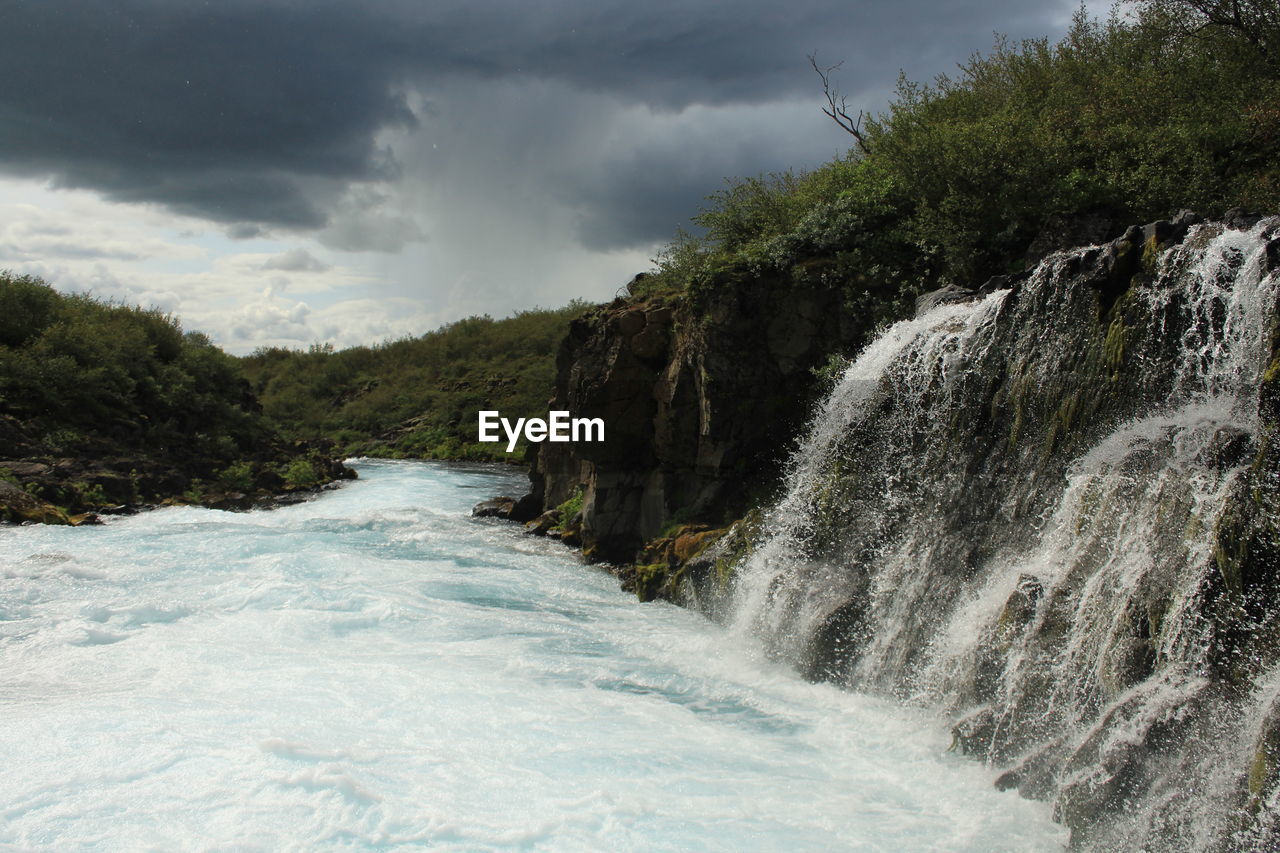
261	114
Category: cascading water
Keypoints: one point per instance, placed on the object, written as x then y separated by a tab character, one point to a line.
1012	508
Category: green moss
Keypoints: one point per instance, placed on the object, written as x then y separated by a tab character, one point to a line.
569	511
1228	565
1151	255
1260	772
1063	422
649	578
1195	526
572	506
1015	429
724	572
737	546
1272	371
1113	347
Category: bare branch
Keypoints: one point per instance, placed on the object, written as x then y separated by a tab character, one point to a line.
1255	21
837	106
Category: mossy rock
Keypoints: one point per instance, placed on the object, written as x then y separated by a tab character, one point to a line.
18	507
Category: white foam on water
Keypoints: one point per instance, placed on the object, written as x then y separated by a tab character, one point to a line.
376	670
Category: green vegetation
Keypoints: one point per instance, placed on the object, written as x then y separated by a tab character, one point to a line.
417	397
1125	120
571	507
104	404
76	373
301	474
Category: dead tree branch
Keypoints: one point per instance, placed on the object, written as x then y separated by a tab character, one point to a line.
838	106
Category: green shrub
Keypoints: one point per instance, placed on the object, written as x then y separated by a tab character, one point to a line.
195	492
1129	118
301	474
571	507
237	477
89	494
74	369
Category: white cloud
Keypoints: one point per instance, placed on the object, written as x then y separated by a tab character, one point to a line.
295	260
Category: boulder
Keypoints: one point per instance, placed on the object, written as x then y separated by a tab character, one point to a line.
926	302
527	508
499	507
542	525
1239	219
18	506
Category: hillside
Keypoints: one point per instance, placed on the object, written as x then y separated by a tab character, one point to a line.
104	406
416	397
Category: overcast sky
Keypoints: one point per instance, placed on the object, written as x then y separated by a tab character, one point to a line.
284	173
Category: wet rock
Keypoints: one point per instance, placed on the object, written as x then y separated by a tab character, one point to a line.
1230	447
943	296
230	501
1115	764
1239	219
1162	233
18	506
1067	232
973	734
689	543
26	470
1187	218
1035	777
543	524
499	507
527	508
1020	608
698	399
1016	616
571	531
1002	282
1272	255
1262	783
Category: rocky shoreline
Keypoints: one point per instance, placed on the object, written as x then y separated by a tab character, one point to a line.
74	491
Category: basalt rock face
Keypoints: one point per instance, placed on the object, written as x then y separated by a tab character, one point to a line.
1047	506
701	405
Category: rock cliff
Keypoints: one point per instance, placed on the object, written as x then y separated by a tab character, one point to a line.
702	403
1048	506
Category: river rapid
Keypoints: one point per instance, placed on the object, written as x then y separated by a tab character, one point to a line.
374	669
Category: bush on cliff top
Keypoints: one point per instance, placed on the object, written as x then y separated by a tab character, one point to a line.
1124	120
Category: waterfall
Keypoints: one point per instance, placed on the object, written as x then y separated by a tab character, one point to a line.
1010	509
